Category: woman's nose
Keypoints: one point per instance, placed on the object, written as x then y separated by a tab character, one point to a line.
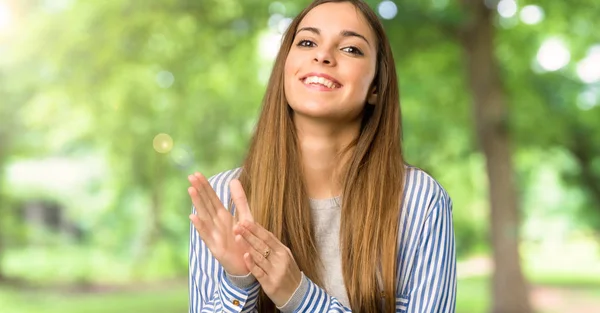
324	56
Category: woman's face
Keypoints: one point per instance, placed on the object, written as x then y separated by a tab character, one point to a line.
331	65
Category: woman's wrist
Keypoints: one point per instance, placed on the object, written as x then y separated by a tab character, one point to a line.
241	281
296	297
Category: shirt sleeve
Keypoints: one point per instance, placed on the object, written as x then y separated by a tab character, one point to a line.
432	286
309	297
210	289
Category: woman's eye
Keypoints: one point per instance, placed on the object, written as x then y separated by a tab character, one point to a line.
350	49
305	43
353	50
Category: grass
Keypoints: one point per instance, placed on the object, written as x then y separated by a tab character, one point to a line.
473	297
155	301
474	293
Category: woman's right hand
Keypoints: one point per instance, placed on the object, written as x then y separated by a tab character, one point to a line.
215	224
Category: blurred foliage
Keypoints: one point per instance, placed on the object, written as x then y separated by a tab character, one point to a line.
132	96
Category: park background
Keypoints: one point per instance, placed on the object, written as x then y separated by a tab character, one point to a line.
107	106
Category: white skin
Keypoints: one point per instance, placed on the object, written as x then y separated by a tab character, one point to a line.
326	120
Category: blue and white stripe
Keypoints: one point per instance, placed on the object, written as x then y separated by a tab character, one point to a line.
426	258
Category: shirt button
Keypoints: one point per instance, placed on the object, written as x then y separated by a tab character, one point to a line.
236	302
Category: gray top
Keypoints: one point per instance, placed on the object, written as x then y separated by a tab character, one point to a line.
326	215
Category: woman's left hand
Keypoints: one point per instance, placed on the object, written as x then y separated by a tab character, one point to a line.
270	262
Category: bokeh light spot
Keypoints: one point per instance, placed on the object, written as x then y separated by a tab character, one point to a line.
531	14
165	79
277	8
387	9
553	55
182	156
162	143
440	4
5	16
274	21
283	25
587	100
57	6
270	43
588	69
507	8
240	26
508	23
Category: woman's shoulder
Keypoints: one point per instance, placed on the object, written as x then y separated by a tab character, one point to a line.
220	183
225	176
422	192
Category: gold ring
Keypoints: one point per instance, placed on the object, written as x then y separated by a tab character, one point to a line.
267	253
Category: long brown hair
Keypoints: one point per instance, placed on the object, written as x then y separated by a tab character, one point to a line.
372	181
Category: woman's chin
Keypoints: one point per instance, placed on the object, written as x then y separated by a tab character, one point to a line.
316	113
325	117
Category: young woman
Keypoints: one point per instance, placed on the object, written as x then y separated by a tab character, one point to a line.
328	217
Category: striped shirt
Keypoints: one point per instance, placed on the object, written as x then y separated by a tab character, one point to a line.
426	261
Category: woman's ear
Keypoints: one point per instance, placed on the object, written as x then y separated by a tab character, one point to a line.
372	98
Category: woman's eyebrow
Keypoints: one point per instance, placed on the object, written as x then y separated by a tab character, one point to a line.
344	33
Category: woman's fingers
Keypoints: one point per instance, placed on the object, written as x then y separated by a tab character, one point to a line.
262	234
256	243
210	196
240	200
201	211
260	260
262	254
200	183
258	272
203	229
215	202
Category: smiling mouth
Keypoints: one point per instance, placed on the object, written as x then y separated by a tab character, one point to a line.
320	81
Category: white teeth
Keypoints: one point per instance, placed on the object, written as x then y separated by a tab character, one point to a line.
320	80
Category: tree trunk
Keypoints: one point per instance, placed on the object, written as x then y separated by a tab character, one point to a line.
510	292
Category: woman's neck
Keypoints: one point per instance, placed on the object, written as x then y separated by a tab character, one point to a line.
321	146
